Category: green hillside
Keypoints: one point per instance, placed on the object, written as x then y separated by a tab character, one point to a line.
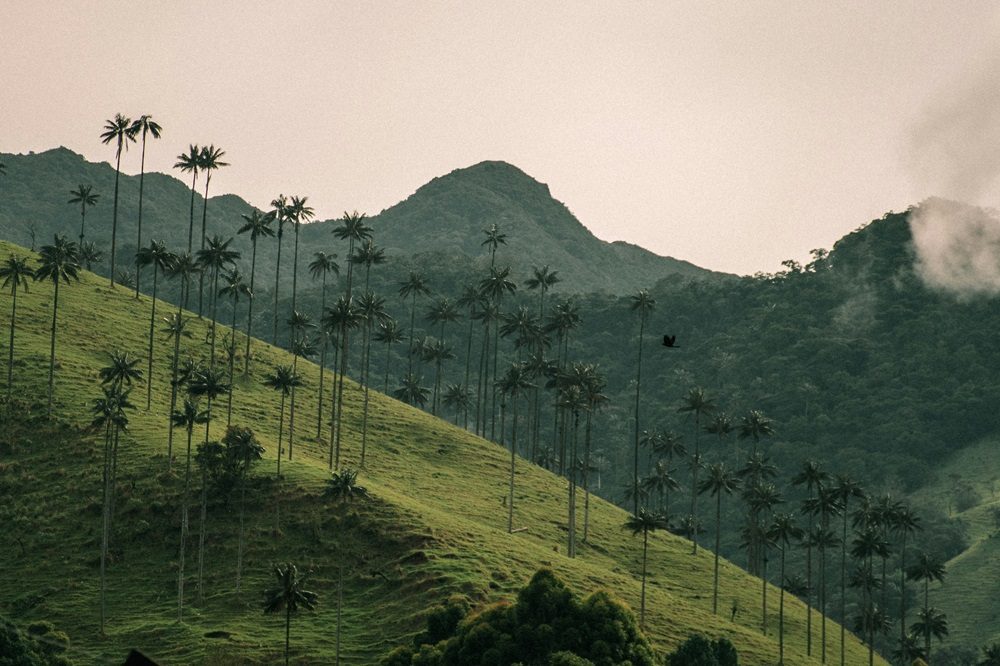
435	526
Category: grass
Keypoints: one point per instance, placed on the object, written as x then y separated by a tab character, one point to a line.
436	525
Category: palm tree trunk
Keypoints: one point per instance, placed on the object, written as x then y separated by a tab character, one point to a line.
809	614
322	365
152	321
232	362
586	476
385	387
295	266
340	605
638	377
902	590
482	383
215	288
843	589
496	349
468	367
413	314
204	220
822	598
333	399
83	220
763	606
138	242
781	610
513	449
277	278
173	393
184	526
718	531
114	214
340	397
52	346
242	538
277	495
253	268
105	520
201	533
696	463
194	182
10	349
291	410
364	380
288	629
642	597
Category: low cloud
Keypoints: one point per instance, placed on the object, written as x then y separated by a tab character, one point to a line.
958	247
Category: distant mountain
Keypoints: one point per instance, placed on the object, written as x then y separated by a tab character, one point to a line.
446	215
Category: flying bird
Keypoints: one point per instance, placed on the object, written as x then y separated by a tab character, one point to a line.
670	341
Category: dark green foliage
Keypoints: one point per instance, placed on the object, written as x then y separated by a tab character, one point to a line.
40	645
546	625
700	651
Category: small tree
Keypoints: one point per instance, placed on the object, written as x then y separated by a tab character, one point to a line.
288	595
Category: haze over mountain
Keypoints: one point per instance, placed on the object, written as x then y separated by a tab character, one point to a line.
447	214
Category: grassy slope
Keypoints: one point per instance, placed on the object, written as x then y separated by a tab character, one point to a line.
436	527
973	577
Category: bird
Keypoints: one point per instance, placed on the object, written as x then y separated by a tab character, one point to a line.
670	341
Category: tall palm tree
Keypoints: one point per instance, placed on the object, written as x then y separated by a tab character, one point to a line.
354	230
494	239
513	384
343	317
298	213
189	416
15	273
283	380
470	299
442	312
457	398
846	489
368	255
209	459
190	162
288	595
176	327
782	531
414	285
669	446
542	279
762	497
210	384
233	289
698	403
119	131
754	425
85	196
144	125
388	333
279	209
157	256
825	505
242	448
926	569
494	288
643	522
371	307
721	426
320	268
299	324
411	392
593	387
642	303
813	478
930	622
209	160
868	545
58	263
258	225
720	481
215	258
904	522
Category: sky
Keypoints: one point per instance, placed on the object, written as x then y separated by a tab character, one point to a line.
730	134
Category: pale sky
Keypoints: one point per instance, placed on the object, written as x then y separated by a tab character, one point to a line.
730	134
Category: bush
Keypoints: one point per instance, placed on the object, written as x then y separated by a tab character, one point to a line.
698	650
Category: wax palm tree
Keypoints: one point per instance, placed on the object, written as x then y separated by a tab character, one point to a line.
282	380
904	522
720	481
85	196
215	258
189	416
486	315
367	255
470	300
157	256
144	125
58	263
299	213
210	384
89	255
299	324
643	522
209	160
279	210
761	497
411	392
754	425
175	329
242	449
258	225
846	489
871	621
371	307
415	285
320	268
659	482
119	131
354	230
698	403
513	384
542	279
813	478
930	622
389	333
926	569
442	312
783	531
908	651
825	504
233	288
867	545
494	239
15	273
189	162
642	303
288	595
209	459
343	317
494	288
457	398
185	267
343	486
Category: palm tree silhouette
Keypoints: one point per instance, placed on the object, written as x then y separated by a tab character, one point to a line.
493	288
372	310
903	522
720	481
143	125
389	333
698	403
470	299
813	478
176	325
282	380
411	392
233	289
241	445
442	312
85	196
258	225
319	268
926	569
542	279
58	263
279	210
157	256
298	213
643	522
298	324
343	317
825	504
215	258
782	531
288	595
762	497
187	417
494	239
118	130
642	303
513	384
846	488
190	162
209	160
210	383
414	285
930	622
457	397
15	273
354	230
867	545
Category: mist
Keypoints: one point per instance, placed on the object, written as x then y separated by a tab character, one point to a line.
958	247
